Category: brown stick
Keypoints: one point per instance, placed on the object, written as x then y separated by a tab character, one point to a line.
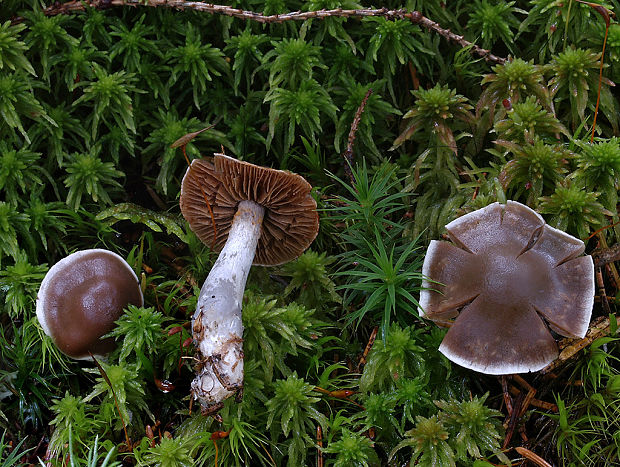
601	290
415	82
319	442
371	341
536	402
535	458
570	347
507	400
597	299
348	153
607	255
605	13
531	392
602	241
414	16
514	419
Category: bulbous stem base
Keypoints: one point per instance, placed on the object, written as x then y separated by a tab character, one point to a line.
216	325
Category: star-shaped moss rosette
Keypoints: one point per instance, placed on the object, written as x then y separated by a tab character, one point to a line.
503	282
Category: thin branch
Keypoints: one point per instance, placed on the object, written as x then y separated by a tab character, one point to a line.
598	275
535	458
348	153
460	40
607	255
414	16
569	347
535	402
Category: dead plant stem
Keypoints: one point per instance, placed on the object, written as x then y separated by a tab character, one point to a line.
415	17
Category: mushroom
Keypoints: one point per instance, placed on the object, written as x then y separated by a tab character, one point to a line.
251	215
502	285
82	296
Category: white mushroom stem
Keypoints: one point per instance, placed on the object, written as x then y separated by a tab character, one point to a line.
216	324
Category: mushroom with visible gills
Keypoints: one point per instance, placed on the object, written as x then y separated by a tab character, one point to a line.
250	214
502	284
82	296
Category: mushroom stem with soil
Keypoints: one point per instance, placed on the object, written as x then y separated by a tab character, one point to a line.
252	215
217	324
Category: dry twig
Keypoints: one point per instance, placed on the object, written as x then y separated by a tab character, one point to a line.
535	402
319	443
529	396
371	341
602	244
607	255
535	458
415	17
569	347
348	153
513	419
601	290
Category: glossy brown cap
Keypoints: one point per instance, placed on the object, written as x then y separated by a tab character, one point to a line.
82	296
502	284
290	224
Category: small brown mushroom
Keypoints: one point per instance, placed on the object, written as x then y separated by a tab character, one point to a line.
253	215
82	296
503	283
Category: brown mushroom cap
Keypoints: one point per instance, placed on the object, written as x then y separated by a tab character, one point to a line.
82	296
290	223
506	279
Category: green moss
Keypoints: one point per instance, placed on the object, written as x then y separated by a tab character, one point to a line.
90	104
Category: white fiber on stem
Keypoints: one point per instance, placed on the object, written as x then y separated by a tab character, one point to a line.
216	324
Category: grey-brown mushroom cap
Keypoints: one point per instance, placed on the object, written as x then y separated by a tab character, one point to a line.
82	296
290	223
501	284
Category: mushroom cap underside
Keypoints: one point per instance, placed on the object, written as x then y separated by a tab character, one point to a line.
82	296
290	223
502	284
